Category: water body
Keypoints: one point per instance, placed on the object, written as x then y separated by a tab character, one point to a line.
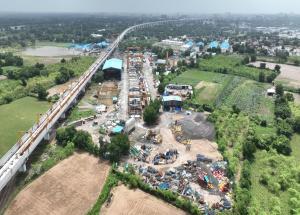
50	51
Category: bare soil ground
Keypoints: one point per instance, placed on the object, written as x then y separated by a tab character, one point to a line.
297	98
71	187
58	89
136	202
198	146
106	91
289	75
2	77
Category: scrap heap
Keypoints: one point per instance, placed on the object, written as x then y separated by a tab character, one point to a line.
192	180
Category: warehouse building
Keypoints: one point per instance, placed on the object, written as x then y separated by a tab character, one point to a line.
172	103
112	69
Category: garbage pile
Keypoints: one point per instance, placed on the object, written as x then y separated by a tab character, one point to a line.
191	180
141	153
169	156
177	132
153	136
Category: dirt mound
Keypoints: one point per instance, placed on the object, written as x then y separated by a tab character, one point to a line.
197	127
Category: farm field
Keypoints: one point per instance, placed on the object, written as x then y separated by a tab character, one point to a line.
208	85
136	202
231	65
250	97
70	187
228	90
290	75
16	118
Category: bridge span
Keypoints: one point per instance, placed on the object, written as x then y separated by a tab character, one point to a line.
15	159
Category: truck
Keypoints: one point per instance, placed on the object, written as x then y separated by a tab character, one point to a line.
129	125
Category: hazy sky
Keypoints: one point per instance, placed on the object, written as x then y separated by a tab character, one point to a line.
152	6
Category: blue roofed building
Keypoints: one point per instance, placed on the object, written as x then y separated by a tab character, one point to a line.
200	44
225	46
172	103
112	68
214	44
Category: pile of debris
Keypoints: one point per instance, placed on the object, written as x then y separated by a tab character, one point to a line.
153	136
192	180
169	156
141	153
177	132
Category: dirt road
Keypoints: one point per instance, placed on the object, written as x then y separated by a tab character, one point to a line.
71	187
123	112
136	202
147	69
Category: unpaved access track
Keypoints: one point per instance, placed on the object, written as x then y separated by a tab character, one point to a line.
69	188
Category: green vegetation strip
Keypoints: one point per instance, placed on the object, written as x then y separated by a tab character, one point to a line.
77	114
231	65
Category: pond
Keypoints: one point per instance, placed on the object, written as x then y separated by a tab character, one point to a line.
50	51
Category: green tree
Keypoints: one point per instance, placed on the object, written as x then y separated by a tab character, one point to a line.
118	146
297	125
150	115
82	139
65	135
253	58
279	90
277	68
41	92
261	77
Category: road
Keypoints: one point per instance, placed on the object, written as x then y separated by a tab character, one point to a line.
123	97
148	74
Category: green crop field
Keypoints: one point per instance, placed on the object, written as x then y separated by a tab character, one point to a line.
250	96
16	118
295	108
207	85
231	65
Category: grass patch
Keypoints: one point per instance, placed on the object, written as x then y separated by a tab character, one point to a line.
77	114
49	43
194	76
295	109
207	85
207	92
16	118
231	65
295	145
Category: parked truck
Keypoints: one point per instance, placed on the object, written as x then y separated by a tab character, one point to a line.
129	125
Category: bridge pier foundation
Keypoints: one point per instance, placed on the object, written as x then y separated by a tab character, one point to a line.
23	168
47	136
63	116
